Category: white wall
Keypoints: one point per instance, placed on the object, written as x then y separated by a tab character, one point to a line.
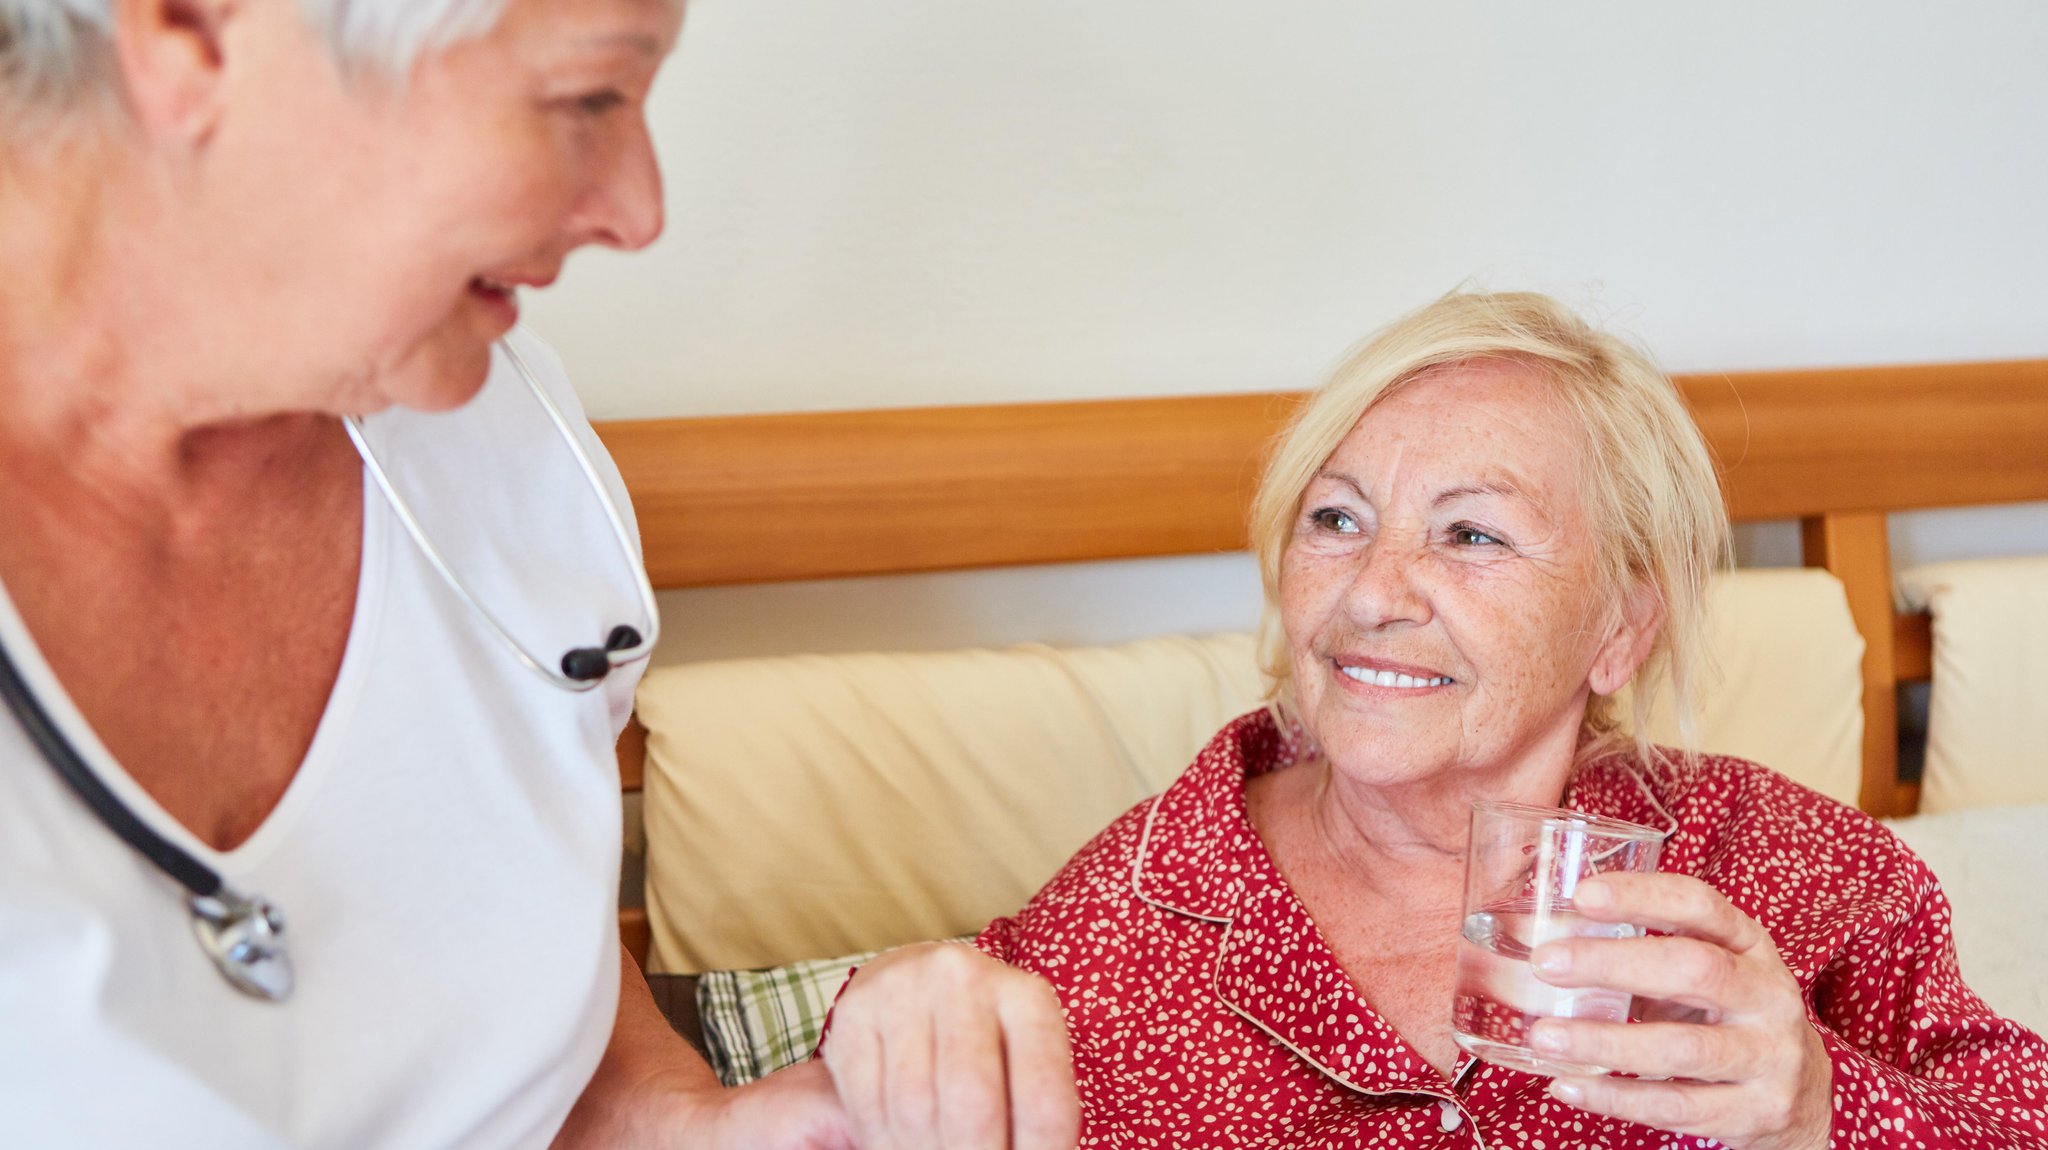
888	202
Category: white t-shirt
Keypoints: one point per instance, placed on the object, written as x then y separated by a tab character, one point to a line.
446	857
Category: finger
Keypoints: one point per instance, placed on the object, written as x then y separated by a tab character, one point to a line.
1652	1049
1683	970
1671	903
853	1054
974	1107
910	1090
1045	1108
1707	1110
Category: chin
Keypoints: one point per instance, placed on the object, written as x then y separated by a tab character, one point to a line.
1383	770
441	382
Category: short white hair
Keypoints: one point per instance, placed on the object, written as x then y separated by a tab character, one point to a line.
55	54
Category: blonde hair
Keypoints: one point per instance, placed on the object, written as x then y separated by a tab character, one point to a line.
1653	498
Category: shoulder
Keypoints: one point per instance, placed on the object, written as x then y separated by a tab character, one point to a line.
1724	798
1172	857
1794	859
1101	870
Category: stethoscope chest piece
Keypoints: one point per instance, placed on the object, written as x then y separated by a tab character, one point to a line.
244	936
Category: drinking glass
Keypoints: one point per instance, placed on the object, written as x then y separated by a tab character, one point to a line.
1523	867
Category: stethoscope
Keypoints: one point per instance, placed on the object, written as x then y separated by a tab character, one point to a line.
243	932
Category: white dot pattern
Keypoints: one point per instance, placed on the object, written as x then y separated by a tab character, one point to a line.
1207	1011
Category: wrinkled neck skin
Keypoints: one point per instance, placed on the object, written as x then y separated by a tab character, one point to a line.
121	395
1404	842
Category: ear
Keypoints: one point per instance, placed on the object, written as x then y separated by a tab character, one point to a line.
1635	632
173	61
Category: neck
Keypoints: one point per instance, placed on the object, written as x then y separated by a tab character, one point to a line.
105	392
1404	842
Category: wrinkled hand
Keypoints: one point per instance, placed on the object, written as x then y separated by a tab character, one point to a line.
939	1047
1727	1027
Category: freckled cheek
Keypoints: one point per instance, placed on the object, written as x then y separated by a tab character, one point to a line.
1307	597
1500	633
1524	667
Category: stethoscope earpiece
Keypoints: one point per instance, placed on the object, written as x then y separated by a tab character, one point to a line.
588	664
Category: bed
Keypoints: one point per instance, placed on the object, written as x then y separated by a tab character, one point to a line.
881	836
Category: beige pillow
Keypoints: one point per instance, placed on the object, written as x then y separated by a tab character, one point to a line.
1789	688
1991	861
819	805
1987	720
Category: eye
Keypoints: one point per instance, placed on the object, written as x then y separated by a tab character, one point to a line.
598	103
1332	519
1466	535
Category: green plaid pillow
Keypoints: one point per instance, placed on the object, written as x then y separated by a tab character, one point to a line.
758	1021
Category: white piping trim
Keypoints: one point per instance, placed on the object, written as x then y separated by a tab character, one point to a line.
1216	987
1138	868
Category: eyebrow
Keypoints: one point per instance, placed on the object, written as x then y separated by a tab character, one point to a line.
1340	477
639	42
1504	488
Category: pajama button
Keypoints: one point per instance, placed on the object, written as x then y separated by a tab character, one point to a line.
1449	1117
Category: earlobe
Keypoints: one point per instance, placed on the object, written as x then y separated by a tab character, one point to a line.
1642	616
172	56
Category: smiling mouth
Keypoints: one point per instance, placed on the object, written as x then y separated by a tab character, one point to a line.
484	285
1394	679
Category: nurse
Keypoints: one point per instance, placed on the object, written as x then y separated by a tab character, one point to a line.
224	226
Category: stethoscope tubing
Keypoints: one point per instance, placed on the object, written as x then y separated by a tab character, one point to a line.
195	876
620	535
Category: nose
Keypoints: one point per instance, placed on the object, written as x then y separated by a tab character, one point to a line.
1386	590
622	207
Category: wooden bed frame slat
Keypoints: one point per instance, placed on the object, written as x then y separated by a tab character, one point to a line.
1913	647
1802	443
760	498
1853	546
632	751
635	935
749	499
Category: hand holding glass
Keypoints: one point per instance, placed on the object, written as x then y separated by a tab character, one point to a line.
1522	869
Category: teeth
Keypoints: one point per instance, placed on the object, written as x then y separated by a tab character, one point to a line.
1393	679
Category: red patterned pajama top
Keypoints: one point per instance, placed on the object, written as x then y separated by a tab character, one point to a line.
1207	1011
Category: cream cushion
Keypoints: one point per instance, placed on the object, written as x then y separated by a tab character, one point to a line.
1991	861
810	806
1987	725
1788	692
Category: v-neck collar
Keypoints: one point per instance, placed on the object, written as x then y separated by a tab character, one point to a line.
320	753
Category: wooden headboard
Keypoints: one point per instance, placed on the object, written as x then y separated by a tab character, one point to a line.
935	489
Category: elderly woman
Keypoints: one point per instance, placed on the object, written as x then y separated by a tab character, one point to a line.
1486	524
239	682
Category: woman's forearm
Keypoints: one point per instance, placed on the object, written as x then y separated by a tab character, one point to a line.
651	1085
653	1091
